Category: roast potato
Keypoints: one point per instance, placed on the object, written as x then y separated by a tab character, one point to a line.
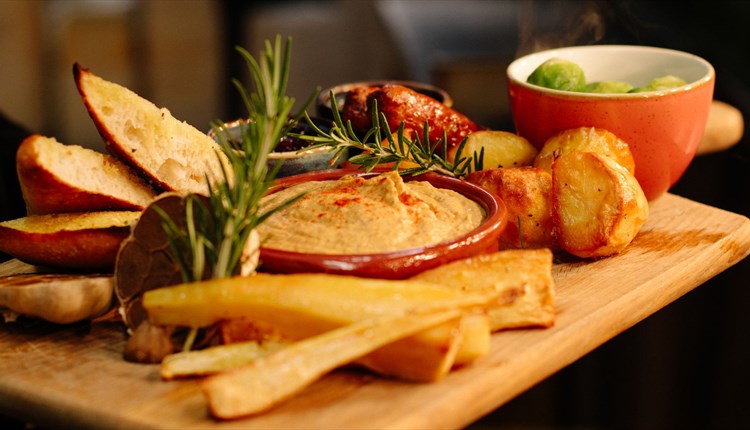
585	139
598	206
526	192
501	149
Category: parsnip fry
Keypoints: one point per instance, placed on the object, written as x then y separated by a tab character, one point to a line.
476	335
523	276
302	305
216	359
265	382
312	302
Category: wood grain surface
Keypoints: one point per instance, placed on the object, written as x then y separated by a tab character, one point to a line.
74	376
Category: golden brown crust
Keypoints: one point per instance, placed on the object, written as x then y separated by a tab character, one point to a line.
46	191
63	240
80	74
527	194
171	154
523	275
598	207
585	139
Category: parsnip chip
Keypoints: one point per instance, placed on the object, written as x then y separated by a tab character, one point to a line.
523	276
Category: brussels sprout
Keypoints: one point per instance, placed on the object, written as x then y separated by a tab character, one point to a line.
612	87
559	74
660	83
666	82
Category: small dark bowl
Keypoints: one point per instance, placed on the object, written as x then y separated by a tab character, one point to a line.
289	150
323	102
398	264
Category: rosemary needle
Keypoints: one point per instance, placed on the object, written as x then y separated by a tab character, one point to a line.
401	147
219	227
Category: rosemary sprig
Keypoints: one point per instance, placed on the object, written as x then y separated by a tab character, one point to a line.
401	147
218	227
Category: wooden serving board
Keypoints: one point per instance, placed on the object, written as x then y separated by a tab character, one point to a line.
75	376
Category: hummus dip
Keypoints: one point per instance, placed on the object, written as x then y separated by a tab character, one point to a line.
355	215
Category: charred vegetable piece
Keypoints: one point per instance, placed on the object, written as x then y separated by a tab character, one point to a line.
144	261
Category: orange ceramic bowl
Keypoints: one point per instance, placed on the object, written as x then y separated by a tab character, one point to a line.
398	264
663	128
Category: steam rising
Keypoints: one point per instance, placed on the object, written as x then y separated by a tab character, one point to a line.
553	24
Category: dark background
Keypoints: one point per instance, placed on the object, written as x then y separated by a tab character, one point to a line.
684	367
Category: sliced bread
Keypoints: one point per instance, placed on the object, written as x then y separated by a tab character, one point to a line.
82	240
58	178
171	153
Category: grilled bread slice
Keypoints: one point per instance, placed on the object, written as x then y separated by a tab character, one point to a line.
83	240
172	154
58	178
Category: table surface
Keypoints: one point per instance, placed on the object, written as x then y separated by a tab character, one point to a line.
76	376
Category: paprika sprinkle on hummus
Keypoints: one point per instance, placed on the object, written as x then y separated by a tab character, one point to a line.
355	215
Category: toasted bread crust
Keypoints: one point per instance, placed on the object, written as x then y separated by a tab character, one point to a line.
82	241
50	183
172	154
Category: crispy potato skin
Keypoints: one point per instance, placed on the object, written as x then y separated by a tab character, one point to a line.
500	148
401	104
585	139
598	207
527	194
581	196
